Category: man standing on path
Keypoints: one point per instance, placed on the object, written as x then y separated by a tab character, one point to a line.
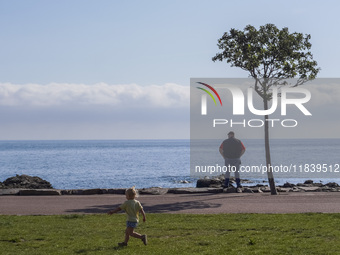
231	150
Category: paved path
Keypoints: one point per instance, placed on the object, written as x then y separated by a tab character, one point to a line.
325	202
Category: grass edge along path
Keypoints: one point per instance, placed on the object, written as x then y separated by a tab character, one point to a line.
311	233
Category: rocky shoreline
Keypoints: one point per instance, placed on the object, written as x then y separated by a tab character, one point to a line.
307	186
25	182
24	185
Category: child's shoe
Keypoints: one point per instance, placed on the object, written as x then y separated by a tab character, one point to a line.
145	239
122	244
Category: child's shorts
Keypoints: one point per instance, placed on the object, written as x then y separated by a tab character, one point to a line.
131	224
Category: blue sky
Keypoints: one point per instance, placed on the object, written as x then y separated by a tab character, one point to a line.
59	58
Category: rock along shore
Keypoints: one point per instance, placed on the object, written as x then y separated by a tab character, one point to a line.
25	185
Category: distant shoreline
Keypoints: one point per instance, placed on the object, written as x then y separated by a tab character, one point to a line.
25	185
287	188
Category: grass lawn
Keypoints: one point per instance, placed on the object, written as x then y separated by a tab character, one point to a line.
173	234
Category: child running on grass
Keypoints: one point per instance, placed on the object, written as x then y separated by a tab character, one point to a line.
132	208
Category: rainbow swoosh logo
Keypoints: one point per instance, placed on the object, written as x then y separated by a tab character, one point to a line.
209	93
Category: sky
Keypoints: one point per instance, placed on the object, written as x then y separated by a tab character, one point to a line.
81	69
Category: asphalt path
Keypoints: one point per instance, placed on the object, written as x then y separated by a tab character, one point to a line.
290	202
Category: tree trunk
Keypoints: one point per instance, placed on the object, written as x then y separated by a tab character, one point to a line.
268	160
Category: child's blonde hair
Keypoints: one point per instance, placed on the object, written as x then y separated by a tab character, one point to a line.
131	192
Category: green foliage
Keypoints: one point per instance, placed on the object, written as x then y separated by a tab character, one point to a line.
269	55
273	57
173	234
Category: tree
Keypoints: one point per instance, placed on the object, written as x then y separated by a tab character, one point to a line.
270	56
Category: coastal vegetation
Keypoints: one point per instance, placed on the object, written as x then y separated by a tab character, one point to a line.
272	57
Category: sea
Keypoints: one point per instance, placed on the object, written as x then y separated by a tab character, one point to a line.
87	164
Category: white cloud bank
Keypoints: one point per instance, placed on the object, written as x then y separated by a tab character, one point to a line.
169	95
131	111
165	96
98	111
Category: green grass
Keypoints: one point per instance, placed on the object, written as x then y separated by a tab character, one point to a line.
173	234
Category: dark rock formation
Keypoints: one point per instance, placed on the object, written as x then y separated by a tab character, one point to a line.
26	182
230	189
332	185
205	183
307	186
288	185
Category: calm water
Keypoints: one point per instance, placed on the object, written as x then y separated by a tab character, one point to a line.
146	163
98	164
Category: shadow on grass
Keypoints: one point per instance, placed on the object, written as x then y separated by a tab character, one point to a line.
158	208
180	206
85	251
